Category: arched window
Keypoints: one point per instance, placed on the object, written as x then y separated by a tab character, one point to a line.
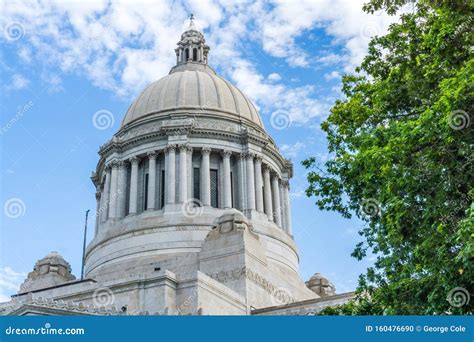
195	54
186	54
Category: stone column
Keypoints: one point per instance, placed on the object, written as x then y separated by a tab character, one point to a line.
267	192
170	182
282	206
106	197
241	181
133	185
226	179
189	170
286	185
121	189
258	184
113	191
250	182
276	200
183	173
98	196
151	180
205	177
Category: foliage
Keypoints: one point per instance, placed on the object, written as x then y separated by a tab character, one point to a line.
401	143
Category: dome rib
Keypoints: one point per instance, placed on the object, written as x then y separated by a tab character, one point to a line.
219	100
149	95
163	93
200	89
236	102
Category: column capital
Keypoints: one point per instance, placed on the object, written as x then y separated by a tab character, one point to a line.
205	151
248	155
108	167
266	167
258	159
285	183
170	148
152	154
121	164
134	160
226	154
274	174
114	164
183	147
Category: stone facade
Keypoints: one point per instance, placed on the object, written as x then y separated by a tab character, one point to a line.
193	211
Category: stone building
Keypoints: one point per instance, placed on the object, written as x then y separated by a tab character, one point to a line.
193	211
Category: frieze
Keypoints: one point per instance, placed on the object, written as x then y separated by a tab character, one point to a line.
141	130
238	272
218	125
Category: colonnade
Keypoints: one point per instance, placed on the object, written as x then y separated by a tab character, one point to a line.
259	187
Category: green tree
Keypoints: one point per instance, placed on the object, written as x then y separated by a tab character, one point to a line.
401	144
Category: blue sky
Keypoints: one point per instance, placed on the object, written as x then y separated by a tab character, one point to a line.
63	62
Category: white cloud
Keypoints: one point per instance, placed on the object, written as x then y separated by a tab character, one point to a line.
293	149
19	82
274	77
10	282
122	46
333	75
344	20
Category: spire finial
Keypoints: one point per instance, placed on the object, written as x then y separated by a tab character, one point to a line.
192	25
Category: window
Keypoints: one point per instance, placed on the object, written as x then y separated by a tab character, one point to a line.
195	54
186	54
197	183
214	188
145	191
162	189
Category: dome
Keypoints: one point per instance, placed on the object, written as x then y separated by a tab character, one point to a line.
193	86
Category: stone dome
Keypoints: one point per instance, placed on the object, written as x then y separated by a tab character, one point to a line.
193	86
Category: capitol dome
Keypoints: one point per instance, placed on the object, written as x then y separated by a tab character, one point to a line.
195	86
